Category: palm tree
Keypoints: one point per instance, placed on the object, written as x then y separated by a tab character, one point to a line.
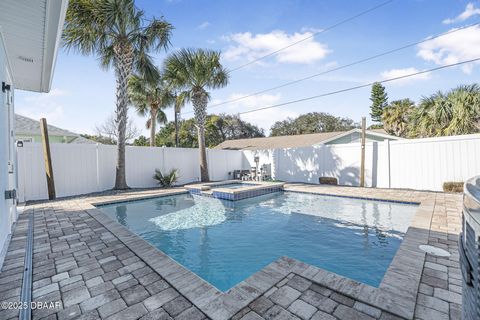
456	112
181	98
150	97
396	117
119	35
192	71
430	117
465	102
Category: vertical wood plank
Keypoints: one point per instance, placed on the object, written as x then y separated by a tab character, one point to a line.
47	158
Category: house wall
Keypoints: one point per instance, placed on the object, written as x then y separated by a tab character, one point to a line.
38	138
355	137
7	154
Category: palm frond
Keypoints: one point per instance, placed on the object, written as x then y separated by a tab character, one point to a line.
157	34
166	180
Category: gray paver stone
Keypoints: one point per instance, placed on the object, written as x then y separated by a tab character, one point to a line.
191	313
111	308
75	296
177	306
158	314
285	296
134	294
158	300
302	309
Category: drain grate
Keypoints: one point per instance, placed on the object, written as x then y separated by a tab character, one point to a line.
26	295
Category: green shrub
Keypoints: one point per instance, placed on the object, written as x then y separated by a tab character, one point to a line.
166	180
452	186
328	180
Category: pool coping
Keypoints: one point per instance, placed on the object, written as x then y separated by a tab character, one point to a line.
396	293
249	190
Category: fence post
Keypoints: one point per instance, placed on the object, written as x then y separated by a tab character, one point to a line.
98	167
387	162
48	158
362	158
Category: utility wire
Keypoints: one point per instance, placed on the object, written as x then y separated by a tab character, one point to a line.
342	66
361	86
313	35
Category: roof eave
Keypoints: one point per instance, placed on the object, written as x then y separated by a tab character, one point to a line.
54	20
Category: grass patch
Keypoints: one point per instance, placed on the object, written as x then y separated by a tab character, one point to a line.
453	186
328	180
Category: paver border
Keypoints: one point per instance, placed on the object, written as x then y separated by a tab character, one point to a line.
396	294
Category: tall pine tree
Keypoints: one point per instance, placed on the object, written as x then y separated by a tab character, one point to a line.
379	100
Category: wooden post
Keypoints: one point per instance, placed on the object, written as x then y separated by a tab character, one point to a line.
176	126
362	160
48	159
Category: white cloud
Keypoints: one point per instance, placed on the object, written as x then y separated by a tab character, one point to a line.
44	105
251	46
311	29
53	113
253	102
469	12
452	48
394	73
43	97
264	118
203	25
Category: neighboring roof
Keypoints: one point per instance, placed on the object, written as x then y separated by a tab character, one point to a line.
82	140
28	126
32	31
25	126
294	141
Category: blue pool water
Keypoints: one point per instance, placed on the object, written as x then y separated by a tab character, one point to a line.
225	242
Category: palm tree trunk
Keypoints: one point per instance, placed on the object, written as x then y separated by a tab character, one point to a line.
203	154
199	101
123	70
176	126
153	122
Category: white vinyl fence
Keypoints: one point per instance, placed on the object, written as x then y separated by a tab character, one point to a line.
85	168
422	164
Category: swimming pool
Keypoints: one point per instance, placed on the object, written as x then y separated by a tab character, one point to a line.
233	185
225	242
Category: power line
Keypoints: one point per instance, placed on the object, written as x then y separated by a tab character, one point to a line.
342	66
313	35
361	86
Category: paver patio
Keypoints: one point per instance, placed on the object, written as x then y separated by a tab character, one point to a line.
97	269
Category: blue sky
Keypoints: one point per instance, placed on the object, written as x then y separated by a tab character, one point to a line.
83	95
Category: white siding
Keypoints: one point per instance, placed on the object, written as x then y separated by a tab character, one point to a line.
7	159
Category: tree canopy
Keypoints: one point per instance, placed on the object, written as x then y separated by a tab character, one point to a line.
193	72
454	112
218	128
379	100
396	117
313	122
120	36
